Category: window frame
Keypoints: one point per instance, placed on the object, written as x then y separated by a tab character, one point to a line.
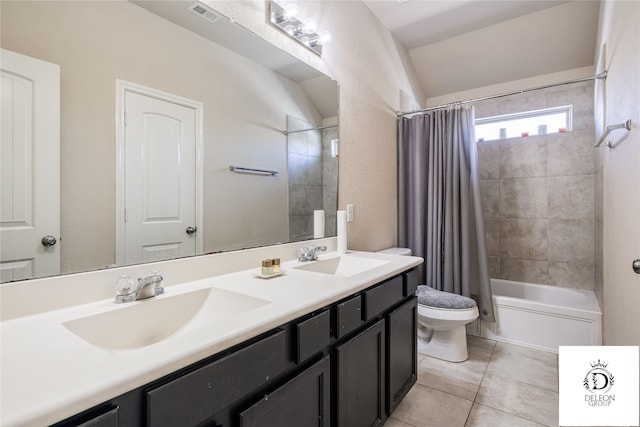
568	109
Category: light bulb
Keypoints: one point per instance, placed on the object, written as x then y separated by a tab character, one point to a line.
290	12
290	29
325	37
309	26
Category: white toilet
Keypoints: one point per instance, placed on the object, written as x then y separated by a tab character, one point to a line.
442	317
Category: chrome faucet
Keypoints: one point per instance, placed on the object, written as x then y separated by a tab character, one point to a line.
149	286
310	253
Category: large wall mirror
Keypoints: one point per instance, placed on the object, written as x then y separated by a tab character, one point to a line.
179	134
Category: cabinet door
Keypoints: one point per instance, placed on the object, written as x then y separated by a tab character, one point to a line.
303	401
360	366
402	352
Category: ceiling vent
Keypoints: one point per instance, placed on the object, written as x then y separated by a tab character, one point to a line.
204	12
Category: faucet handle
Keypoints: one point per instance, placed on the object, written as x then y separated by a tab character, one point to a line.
125	285
157	279
126	289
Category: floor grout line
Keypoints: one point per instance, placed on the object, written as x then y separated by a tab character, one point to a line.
484	374
513	415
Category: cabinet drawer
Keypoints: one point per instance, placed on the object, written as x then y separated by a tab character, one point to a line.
348	316
312	335
411	282
108	419
381	297
196	396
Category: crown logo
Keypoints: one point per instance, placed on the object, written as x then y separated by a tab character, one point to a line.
599	364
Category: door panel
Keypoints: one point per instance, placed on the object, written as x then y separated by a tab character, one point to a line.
29	167
160	180
162	138
159	252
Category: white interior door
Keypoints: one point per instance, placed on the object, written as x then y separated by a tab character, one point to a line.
161	194
30	167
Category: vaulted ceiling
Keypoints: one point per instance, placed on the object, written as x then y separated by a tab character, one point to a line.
457	45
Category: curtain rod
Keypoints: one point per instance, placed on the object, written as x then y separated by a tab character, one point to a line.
601	76
287	132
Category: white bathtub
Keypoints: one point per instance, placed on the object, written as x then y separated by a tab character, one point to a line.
541	316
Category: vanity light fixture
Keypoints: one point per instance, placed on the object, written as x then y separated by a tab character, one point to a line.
304	30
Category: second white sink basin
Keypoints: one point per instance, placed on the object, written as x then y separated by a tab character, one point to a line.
344	266
142	323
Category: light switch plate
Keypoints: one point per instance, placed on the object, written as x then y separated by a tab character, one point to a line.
349	213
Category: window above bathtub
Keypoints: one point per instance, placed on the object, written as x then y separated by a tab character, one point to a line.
528	123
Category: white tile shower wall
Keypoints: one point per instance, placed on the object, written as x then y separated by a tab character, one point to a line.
539	194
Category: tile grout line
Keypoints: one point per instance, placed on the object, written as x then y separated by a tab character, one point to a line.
475	396
484	374
514	415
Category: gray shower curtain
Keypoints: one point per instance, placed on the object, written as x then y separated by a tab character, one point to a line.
439	208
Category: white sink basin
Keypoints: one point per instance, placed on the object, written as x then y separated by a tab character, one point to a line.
344	266
142	323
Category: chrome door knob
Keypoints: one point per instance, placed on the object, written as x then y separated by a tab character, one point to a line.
636	266
190	230
48	241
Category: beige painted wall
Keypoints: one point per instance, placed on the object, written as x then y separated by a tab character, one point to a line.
371	68
98	42
619	100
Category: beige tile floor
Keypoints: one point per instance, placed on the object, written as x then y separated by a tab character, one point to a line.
501	385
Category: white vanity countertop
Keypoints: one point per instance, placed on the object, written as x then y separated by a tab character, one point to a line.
48	373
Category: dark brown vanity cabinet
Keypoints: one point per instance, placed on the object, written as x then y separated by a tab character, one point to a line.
345	365
376	368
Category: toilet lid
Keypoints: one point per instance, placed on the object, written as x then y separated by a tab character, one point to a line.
434	298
